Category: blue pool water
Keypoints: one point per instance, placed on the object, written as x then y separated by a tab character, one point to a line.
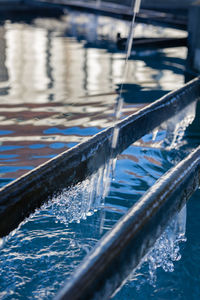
70	95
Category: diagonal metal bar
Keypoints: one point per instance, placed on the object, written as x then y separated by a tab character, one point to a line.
117	9
22	196
121	249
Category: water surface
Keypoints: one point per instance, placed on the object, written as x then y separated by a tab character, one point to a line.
59	84
59	80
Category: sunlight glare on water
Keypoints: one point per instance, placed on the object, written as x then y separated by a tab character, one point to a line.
67	82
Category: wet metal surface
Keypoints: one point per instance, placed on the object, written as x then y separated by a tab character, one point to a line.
58	92
122	248
20	198
63	89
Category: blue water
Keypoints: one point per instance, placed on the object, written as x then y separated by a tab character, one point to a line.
57	237
74	74
63	89
184	282
74	130
44	251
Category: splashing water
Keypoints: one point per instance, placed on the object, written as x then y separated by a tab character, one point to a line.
119	100
83	199
76	203
169	135
164	253
177	125
87	197
166	249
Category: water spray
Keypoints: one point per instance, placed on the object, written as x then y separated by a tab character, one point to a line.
129	44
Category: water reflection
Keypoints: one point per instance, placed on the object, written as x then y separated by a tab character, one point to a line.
58	74
60	234
59	81
138	167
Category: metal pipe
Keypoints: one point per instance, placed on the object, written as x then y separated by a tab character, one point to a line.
119	252
22	196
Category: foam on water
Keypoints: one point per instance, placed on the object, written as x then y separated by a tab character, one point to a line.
83	199
165	252
167	248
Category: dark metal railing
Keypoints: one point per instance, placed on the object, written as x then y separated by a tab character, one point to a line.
120	251
22	196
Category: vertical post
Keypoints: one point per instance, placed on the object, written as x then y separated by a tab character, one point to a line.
193	59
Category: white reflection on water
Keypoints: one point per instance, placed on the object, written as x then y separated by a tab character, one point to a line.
28	78
66	73
43	65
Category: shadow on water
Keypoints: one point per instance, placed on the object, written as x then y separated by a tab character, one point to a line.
162	61
27	13
134	93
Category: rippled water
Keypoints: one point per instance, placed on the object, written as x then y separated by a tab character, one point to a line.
59	83
180	282
44	251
